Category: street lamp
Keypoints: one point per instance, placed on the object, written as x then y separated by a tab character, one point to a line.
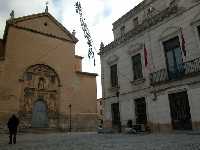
70	119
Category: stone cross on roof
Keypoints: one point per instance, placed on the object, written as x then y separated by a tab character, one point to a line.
46	9
12	14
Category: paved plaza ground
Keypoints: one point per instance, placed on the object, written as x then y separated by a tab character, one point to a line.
94	141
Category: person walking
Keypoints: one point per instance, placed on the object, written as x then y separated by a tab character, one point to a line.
12	124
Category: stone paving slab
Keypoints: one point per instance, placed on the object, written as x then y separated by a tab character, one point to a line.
93	141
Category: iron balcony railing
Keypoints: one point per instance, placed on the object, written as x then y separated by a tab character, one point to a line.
185	69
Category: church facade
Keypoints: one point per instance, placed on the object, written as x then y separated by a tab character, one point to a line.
41	78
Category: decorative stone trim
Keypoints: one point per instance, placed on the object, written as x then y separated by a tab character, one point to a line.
33	16
114	89
134	48
46	34
196	1
138	81
79	57
21	80
112	59
132	12
87	73
196	19
146	24
169	32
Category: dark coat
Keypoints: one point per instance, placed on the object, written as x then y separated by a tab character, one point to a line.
12	124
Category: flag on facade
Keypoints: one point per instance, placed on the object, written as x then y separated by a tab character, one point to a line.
145	56
183	43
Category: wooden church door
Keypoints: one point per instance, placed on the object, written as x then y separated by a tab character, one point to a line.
40	116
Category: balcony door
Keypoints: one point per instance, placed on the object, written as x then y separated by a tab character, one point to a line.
174	59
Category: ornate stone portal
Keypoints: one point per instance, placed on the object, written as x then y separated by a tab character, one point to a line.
32	91
40	83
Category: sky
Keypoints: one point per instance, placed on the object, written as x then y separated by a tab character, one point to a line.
99	15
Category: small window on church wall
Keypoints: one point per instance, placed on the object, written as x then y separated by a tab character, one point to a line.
28	76
45	24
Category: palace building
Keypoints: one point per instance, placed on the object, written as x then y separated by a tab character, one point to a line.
41	78
150	72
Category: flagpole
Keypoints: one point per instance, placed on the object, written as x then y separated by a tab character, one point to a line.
150	64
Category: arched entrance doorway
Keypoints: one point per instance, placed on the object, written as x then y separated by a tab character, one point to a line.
39	115
40	97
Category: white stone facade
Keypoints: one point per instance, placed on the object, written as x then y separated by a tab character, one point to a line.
177	18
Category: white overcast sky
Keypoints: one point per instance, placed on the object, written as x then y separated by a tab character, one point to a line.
99	14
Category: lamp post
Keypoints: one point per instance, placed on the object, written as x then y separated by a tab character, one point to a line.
70	119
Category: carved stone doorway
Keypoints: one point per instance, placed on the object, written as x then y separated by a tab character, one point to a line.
39	115
40	97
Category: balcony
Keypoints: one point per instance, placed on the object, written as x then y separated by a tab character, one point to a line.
186	69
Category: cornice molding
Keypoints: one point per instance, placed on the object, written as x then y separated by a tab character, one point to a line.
141	6
87	73
38	32
196	18
112	59
33	16
169	32
132	49
146	24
